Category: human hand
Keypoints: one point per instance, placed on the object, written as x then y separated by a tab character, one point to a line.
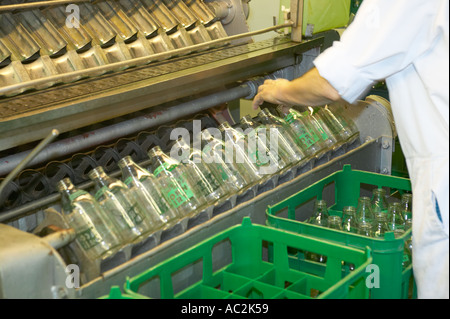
270	92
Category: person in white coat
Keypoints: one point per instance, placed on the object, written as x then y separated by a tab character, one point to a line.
405	43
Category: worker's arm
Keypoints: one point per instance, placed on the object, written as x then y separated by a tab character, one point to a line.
310	89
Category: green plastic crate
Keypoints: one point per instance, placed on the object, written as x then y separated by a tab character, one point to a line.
394	281
248	274
116	293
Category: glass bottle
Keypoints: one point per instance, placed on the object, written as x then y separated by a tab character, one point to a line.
379	203
320	218
287	147
317	113
344	125
95	232
364	216
308	140
145	187
267	158
406	207
316	123
122	207
350	225
349	222
335	222
320	214
407	253
206	182
365	229
232	174
395	220
237	151
175	186
380	226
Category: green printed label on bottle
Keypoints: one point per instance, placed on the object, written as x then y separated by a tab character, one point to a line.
77	194
134	215
212	180
87	238
175	196
161	205
100	192
314	135
322	132
185	186
223	174
289	118
128	180
305	139
164	167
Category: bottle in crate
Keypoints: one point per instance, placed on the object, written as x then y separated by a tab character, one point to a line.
174	181
306	138
95	232
395	221
335	222
234	175
364	216
406	207
206	181
349	222
287	147
407	253
120	204
378	200
266	156
320	214
145	187
380	226
319	217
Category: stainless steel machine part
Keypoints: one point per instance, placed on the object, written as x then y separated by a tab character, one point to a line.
30	266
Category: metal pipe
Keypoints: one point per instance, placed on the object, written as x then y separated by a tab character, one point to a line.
37	4
102	135
141	60
28	158
60	238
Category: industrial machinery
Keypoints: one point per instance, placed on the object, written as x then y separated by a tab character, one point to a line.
84	83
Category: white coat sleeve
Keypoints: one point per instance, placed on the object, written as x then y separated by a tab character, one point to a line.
384	38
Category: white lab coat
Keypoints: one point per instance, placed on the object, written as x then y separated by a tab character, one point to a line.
406	42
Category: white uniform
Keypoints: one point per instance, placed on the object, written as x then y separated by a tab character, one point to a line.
406	42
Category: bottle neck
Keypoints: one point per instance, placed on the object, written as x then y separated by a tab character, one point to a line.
130	169
100	178
65	186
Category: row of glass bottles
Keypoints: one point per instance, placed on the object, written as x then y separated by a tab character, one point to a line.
372	217
269	144
122	211
319	129
151	198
